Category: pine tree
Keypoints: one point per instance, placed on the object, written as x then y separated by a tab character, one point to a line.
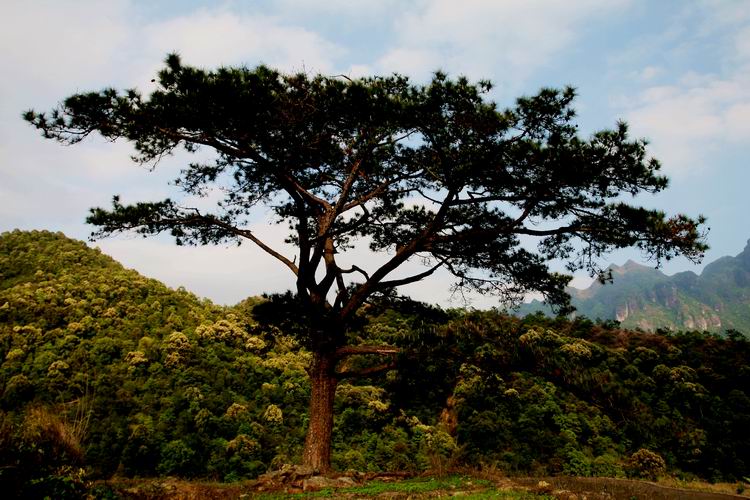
434	173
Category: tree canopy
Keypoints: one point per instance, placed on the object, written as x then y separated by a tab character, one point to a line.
435	172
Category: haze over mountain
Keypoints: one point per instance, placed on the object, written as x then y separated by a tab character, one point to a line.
643	297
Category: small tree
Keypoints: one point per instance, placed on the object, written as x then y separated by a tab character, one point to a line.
646	464
432	172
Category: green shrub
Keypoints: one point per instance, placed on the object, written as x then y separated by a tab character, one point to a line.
40	456
65	483
176	458
351	460
576	463
607	466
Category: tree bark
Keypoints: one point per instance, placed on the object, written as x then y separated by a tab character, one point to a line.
323	382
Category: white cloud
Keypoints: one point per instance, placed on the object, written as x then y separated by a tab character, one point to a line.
359	71
363	9
226	274
647	73
695	77
737	120
720	15
50	45
414	62
690	120
483	38
52	49
213	38
741	44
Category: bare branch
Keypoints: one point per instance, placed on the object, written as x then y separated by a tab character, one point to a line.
348	227
367	372
411	279
433	200
307	195
333	272
356	269
484	199
377	191
346	351
353	350
552	232
346	188
198	218
528	207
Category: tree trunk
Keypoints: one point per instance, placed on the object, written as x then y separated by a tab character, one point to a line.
323	382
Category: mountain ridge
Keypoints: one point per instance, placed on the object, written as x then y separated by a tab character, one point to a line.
643	297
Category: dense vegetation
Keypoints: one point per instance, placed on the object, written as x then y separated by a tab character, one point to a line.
104	371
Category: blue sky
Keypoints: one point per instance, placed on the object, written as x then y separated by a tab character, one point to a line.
678	72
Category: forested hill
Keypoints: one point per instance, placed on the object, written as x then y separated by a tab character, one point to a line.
64	288
642	297
81	335
105	371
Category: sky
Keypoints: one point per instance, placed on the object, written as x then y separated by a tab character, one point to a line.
677	72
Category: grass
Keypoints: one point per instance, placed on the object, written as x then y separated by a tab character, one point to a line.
470	488
506	495
464	483
420	485
739	488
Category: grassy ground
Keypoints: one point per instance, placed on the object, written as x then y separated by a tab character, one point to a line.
607	488
466	485
727	488
421	487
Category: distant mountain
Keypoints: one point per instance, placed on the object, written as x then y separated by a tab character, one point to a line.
642	297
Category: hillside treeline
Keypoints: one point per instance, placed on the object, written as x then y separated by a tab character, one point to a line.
107	372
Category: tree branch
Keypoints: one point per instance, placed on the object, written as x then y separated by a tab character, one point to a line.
366	372
347	227
411	279
402	254
352	350
552	232
245	233
483	199
356	269
311	198
346	188
377	191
